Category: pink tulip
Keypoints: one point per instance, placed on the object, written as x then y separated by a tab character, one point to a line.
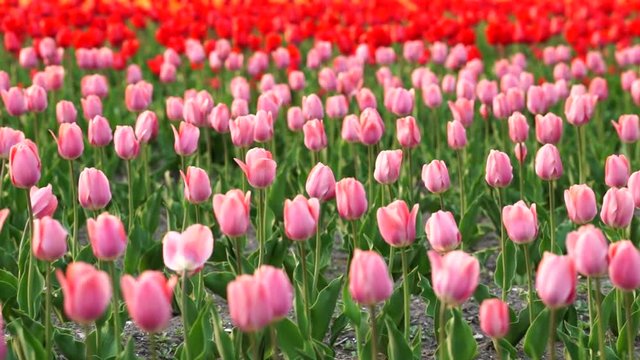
498	171
147	127
99	132
634	187
281	57
315	138
28	57
219	118
337	106
548	128
87	292
518	128
242	130
442	232
439	52
431	95
149	299
43	201
396	224
494	318
520	151
579	108
125	142
91	106
462	111
624	265
138	96
580	202
36	97
366	99
8	138
232	212
521	222
66	112
351	199
248	300
280	298
400	101
454	276
70	142
296	80
448	83
167	73
435	176
197	187
369	280
387	167
259	167
486	91
500	106
93	189
617	208
94	85
456	135
24	164
627	78
321	183
187	251
536	103
312	107
408	132
556	280
15	101
269	102
49	240
301	217
134	74
327	79
4	214
174	108
185	139
548	164
107	236
295	119
588	248
628	128
350	131
371	127
616	171
263	127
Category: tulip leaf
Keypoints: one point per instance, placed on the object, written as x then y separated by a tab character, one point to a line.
322	309
151	259
32	346
510	349
222	339
217	281
535	341
201	333
510	262
349	307
397	348
573	345
290	339
129	352
429	297
607	308
460	341
30	291
67	344
8	286
621	344
337	327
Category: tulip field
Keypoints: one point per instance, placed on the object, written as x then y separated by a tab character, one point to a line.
388	179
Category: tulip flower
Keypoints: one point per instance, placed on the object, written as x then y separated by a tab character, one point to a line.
107	237
617	208
315	138
435	176
408	132
350	131
634	186
280	298
185	139
388	164
8	138
4	214
454	276
43	201
15	101
248	309
147	127
187	252
70	141
442	232
242	130
462	111
94	192
24	164
580	202
321	183
36	97
518	128
588	248
49	239
498	172
521	222
259	167
397	224
126	144
232	214
628	128
301	217
197	187
351	199
99	132
616	171
494	319
86	292
148	299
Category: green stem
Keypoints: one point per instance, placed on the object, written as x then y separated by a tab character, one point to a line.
590	303
305	286
628	303
405	293
260	226
197	208
47	312
74	201
527	261
316	262
409	173
502	248
354	236
225	150
580	154
130	183
392	255
2	166
274	342
552	334
116	307
521	173
238	244
598	307
497	347
185	321
374	332
441	196
87	345
461	182
552	231
254	345
370	175
436	131
152	346
30	309
441	332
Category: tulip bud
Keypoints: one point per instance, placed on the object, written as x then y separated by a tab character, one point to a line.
301	217
442	232
219	118
579	108
521	222
462	111
548	163
186	139
93	189
187	251
337	106
616	171
87	292
624	265
36	98
634	187
435	176
232	212
366	99
371	127
280	298
431	95
556	280
174	108
454	276
8	138
580	202
49	239
15	101
24	164
498	171
350	131
588	248
494	318
387	167
369	280
456	135
149	299
70	142
247	308
321	183
107	236
125	142
91	106
66	112
315	138
197	187
408	132
43	201
617	208
518	128
295	119
351	199
134	74
99	132
548	128
312	107
147	126
259	167
396	224
628	128
399	101
242	130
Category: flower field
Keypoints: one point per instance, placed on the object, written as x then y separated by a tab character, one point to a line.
391	179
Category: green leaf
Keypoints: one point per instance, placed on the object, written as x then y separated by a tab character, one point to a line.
460	341
535	341
290	339
222	339
129	352
67	344
201	334
349	307
397	348
29	297
510	262
322	310
217	281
